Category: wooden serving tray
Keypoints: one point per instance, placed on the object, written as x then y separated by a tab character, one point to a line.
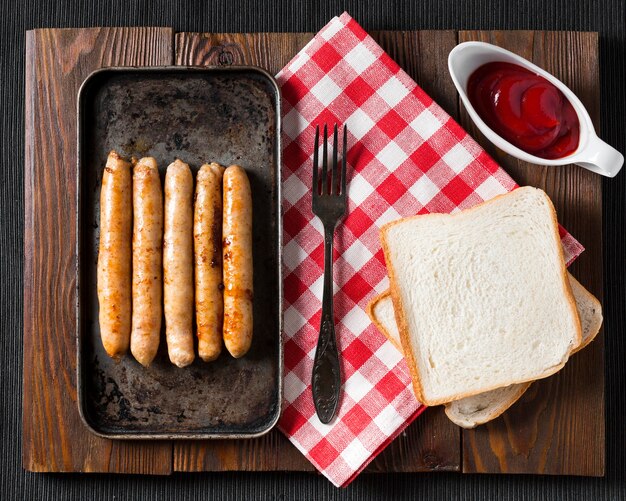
556	428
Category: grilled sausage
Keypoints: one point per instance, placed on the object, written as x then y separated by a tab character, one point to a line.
178	263
237	256
147	261
114	256
207	233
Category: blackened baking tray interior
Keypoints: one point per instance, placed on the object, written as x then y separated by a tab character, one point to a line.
225	115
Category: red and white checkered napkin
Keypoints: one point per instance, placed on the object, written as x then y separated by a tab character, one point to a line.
406	156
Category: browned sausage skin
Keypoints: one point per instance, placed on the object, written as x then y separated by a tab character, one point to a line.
178	263
207	233
147	261
237	256
114	256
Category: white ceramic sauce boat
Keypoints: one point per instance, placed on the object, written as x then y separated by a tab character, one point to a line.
592	153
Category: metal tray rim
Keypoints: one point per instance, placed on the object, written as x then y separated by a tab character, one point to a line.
78	333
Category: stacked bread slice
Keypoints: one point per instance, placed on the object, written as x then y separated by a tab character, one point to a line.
481	304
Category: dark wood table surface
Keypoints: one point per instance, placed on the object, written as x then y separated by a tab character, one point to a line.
606	17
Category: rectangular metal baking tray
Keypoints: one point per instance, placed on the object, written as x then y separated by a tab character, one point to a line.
227	115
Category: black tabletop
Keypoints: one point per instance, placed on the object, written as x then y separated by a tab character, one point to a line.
607	17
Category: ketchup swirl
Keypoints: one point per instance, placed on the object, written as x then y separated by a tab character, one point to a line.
525	109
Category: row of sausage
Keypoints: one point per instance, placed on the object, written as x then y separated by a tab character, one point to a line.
166	256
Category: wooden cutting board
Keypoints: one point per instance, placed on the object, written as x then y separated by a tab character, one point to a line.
556	428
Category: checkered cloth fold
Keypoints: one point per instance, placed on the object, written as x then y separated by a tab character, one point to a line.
406	156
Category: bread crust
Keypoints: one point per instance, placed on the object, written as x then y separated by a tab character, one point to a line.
498	410
401	318
598	306
370	313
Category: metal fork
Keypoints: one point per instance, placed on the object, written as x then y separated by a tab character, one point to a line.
329	204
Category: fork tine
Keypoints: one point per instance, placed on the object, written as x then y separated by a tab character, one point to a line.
333	173
343	160
325	162
315	186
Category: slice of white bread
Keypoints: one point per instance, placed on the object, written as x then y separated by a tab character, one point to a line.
473	411
481	297
470	412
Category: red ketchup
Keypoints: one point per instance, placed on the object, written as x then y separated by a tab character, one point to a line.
525	109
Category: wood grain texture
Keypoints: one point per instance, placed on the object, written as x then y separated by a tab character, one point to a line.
557	427
271	51
57	61
606	16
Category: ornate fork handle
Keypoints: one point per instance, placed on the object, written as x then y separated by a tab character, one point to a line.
326	380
